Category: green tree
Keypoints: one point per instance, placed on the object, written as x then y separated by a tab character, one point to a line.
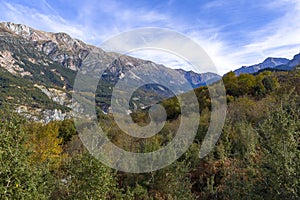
87	178
231	85
245	84
18	178
280	135
172	182
270	83
66	130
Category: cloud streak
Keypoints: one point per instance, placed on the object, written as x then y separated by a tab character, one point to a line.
227	34
281	37
31	17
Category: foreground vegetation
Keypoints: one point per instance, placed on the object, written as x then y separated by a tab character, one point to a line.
257	156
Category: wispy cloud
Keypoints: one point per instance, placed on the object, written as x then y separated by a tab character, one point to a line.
53	23
123	20
228	39
281	37
278	38
214	4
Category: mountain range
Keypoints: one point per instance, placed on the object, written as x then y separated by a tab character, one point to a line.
270	63
38	69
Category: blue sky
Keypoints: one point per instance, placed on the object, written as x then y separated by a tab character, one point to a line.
233	33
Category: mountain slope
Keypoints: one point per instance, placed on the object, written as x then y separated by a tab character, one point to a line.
198	80
270	63
49	63
267	63
70	53
295	61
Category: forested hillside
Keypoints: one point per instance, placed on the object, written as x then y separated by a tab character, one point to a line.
256	157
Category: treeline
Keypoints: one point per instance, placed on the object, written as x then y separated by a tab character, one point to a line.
256	157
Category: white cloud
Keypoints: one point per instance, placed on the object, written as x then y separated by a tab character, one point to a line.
123	19
280	38
52	23
214	4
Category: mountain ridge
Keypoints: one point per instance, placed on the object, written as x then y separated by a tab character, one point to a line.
63	48
272	63
50	61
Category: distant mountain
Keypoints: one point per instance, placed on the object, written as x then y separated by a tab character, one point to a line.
291	64
48	63
267	63
271	63
295	61
198	80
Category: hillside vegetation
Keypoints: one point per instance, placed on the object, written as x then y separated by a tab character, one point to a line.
256	157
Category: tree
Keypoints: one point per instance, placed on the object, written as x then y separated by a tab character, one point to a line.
280	136
270	83
231	85
66	130
18	178
43	141
245	83
172	182
87	178
239	168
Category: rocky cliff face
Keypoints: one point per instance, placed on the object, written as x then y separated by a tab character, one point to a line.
59	47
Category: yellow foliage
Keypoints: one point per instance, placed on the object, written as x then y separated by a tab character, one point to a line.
45	144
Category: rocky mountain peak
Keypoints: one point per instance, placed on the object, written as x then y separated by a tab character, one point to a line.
60	47
275	61
24	31
18	29
269	62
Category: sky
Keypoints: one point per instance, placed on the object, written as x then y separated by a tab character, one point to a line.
233	33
